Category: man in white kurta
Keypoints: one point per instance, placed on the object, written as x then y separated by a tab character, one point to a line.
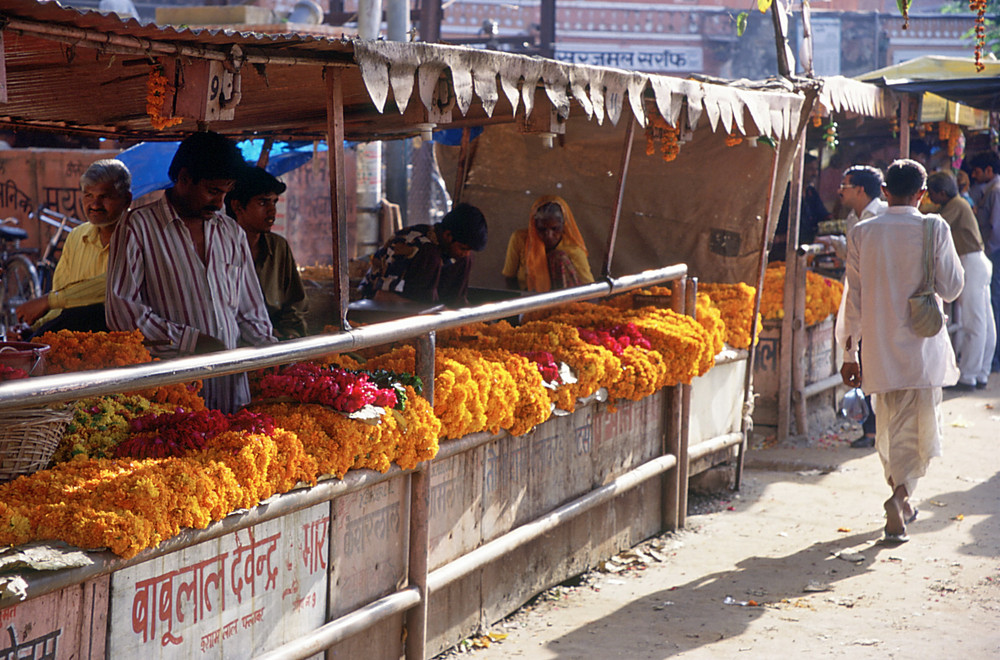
903	370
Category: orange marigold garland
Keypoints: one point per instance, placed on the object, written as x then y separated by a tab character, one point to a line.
658	130
85	351
822	295
157	87
735	305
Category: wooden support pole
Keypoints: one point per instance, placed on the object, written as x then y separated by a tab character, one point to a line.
338	196
616	213
766	231
672	404
904	125
799	346
785	346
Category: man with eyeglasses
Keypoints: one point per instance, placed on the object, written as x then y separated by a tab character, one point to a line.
860	191
253	204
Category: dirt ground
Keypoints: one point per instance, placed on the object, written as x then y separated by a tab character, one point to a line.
792	564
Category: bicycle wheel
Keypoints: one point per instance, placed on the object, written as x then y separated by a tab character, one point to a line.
20	284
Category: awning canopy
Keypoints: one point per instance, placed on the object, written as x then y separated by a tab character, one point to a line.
86	72
954	78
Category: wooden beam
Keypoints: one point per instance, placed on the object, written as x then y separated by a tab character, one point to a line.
793	279
338	196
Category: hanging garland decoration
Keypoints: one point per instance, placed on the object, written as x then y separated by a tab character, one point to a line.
157	87
658	130
979	6
830	136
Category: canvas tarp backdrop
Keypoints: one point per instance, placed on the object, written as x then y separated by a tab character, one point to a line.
705	209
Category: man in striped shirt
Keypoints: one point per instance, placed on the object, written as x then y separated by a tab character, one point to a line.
181	272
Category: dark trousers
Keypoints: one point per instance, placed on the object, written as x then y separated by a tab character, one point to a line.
89	318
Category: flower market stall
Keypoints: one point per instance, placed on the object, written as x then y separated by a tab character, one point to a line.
366	499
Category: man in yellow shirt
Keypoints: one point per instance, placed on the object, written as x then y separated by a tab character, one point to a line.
76	301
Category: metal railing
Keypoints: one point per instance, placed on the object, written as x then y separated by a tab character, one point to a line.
65	387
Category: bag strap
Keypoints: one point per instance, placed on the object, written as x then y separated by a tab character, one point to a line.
928	255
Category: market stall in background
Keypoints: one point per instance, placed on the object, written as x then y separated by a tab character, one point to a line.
365	522
947	107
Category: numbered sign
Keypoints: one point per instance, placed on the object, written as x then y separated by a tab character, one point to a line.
205	90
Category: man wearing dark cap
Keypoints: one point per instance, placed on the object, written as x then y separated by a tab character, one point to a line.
428	263
180	270
253	203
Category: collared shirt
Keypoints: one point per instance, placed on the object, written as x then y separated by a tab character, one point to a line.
872	209
158	284
281	285
988	213
80	274
412	264
964	228
884	268
80	277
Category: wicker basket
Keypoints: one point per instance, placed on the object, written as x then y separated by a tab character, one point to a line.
28	438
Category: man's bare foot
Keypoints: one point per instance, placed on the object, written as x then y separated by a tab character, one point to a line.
909	513
895	524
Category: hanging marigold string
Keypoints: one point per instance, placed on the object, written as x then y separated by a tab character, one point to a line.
979	6
157	87
660	131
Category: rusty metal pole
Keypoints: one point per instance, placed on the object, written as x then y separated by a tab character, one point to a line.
673	404
616	213
420	487
683	461
338	197
462	171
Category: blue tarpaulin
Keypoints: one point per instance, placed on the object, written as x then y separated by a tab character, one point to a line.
148	161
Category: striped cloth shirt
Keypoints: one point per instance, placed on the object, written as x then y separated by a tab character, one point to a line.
158	284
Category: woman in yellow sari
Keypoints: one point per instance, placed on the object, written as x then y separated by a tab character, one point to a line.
550	253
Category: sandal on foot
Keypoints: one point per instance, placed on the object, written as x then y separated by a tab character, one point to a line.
895	539
913	516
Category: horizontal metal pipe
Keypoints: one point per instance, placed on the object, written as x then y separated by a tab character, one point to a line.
64	387
731	355
340	629
516	538
706	447
467	443
820	386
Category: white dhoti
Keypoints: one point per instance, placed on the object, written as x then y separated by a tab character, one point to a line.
977	336
907	434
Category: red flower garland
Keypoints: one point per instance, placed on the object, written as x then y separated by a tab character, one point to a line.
615	339
546	364
340	389
175	434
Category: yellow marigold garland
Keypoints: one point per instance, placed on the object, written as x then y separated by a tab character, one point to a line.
735	304
822	295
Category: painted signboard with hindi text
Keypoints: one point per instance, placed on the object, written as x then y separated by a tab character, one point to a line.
232	597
